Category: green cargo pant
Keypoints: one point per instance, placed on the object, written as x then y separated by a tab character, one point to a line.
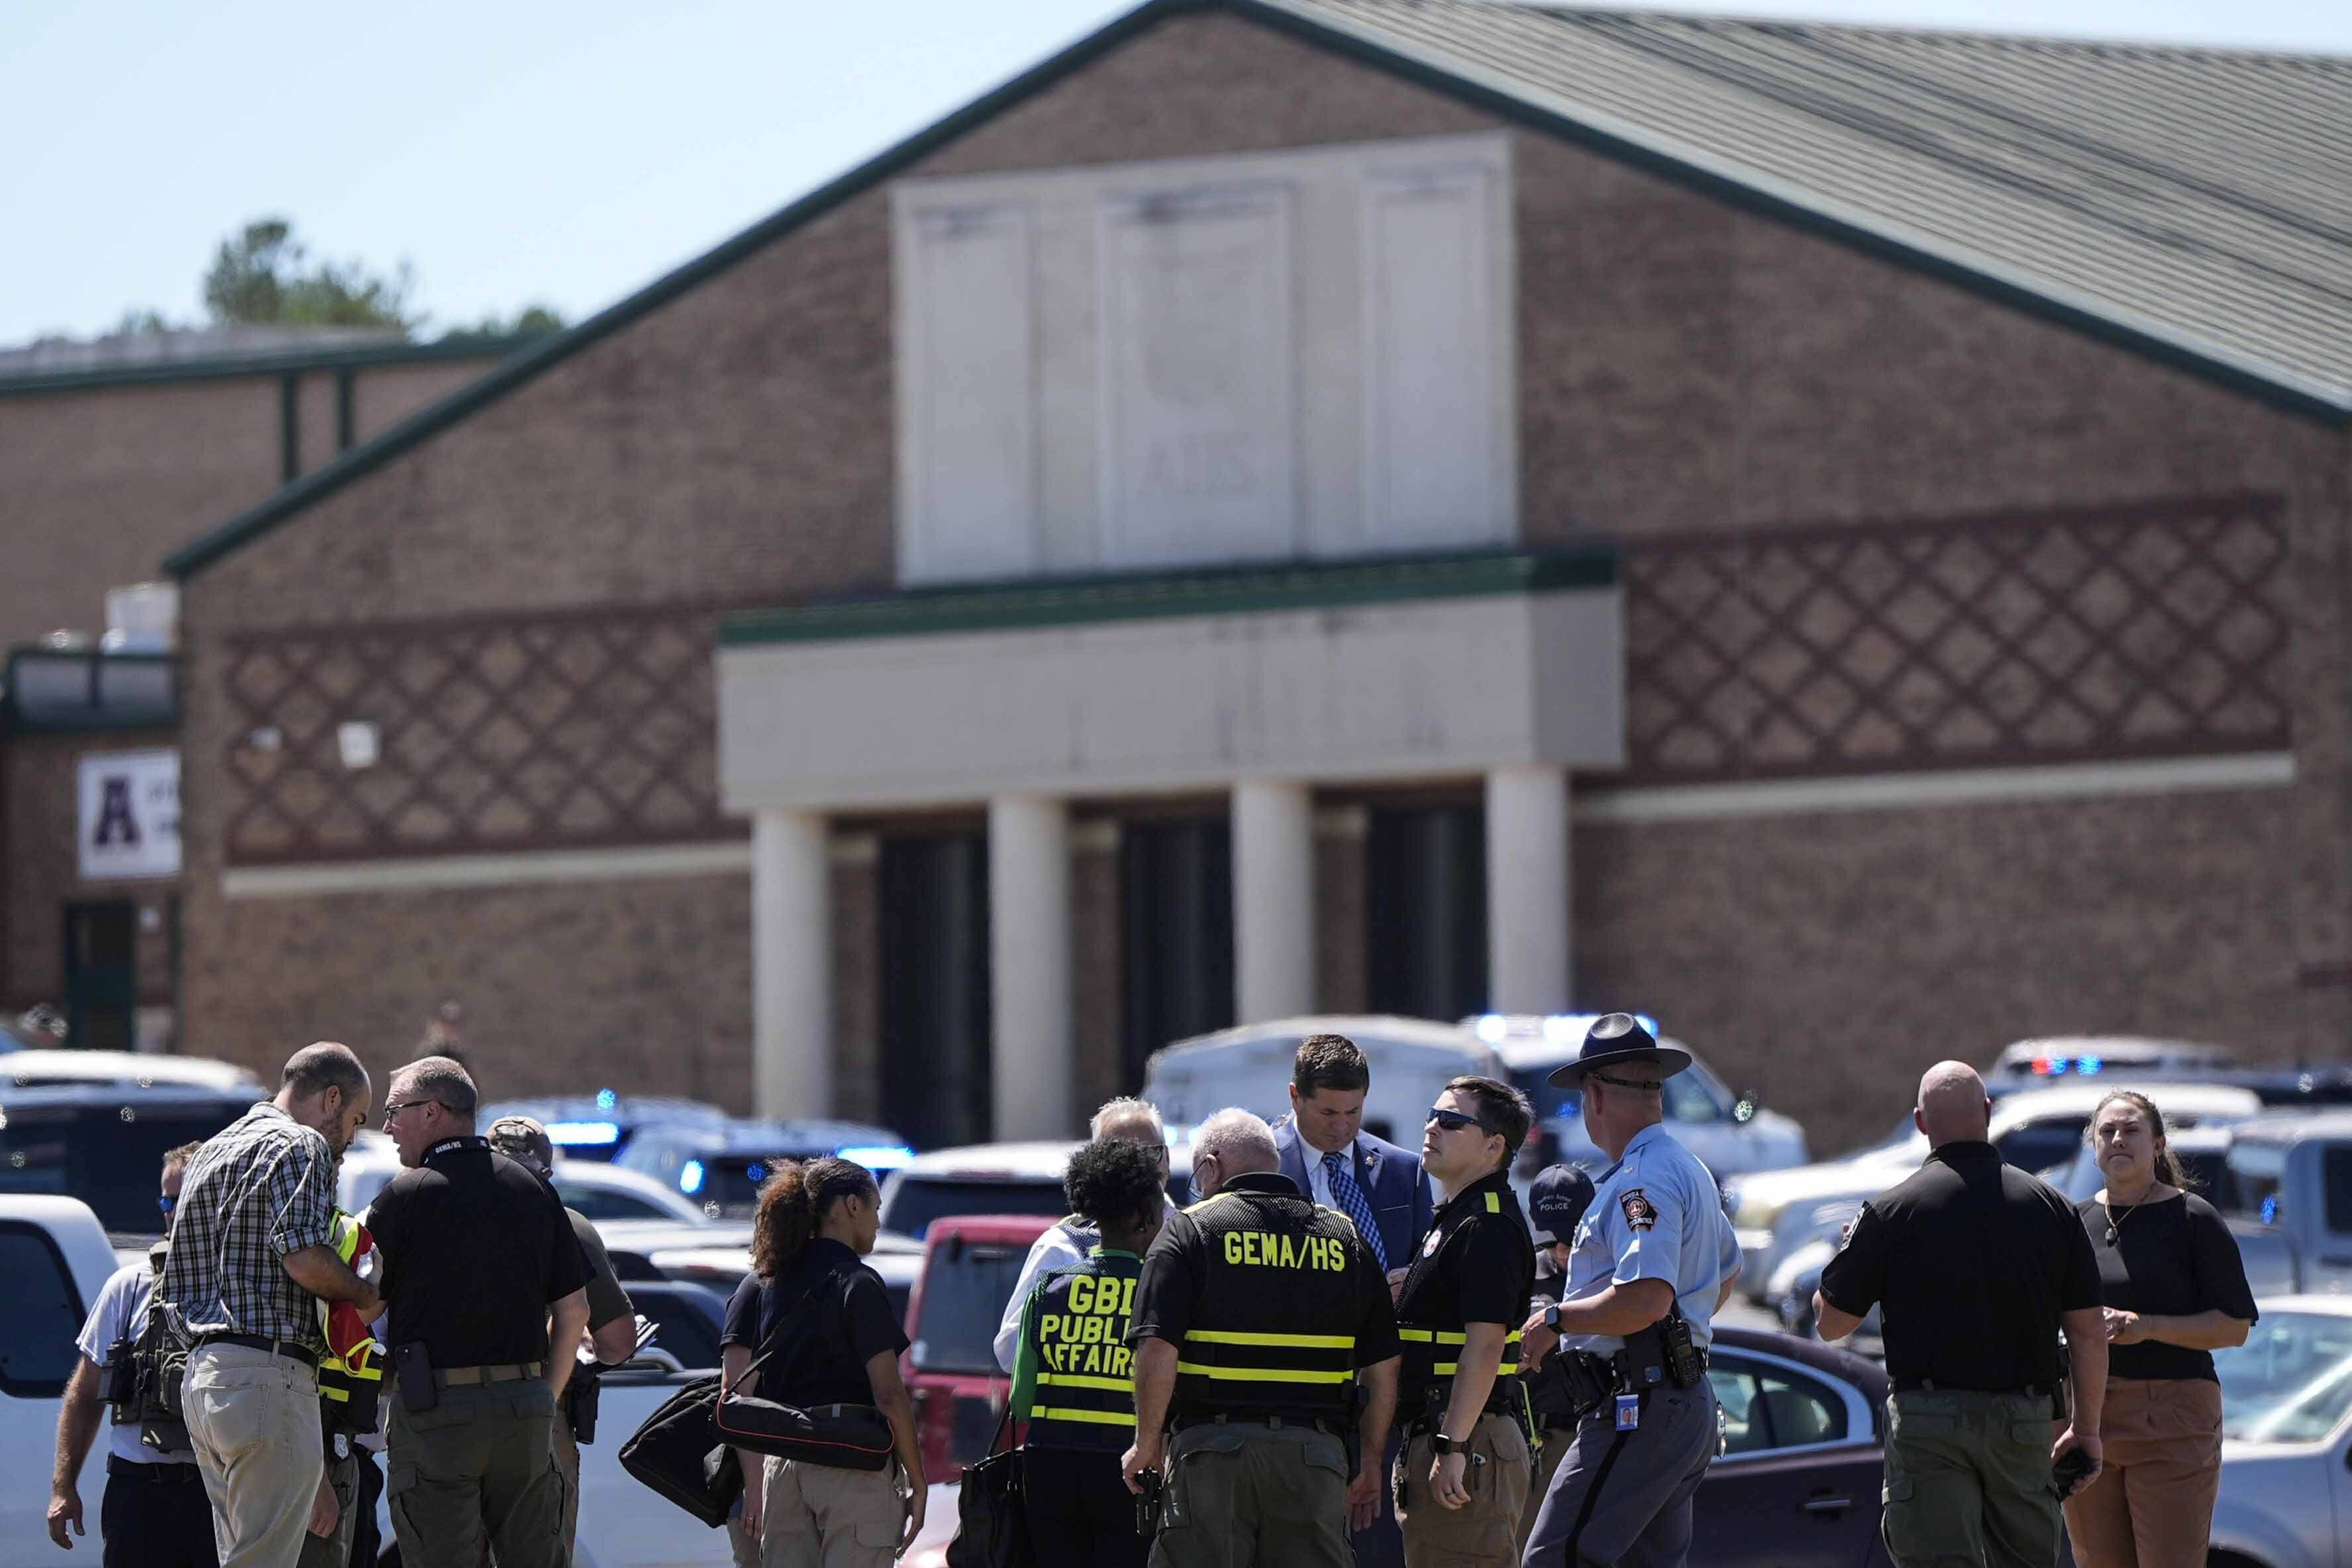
1244	1492
1967	1481
335	1551
477	1464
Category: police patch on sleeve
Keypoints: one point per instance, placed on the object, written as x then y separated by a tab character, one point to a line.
1639	1212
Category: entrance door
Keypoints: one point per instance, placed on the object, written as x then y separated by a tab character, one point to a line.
1425	910
934	978
1176	891
103	975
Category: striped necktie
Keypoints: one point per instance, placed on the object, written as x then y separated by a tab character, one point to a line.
1350	1199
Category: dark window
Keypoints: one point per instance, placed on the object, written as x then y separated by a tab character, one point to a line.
935	987
40	1313
682	1325
913	1202
1176	892
103	975
965	1287
1766	1408
1425	911
2038	1145
2336	1171
109	1156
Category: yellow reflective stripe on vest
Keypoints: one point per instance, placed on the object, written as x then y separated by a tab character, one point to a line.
1299	1341
1261	1374
1080	1380
1098	1418
1448	1336
1446	1368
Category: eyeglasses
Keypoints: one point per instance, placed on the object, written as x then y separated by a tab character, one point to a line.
393	1108
1628	1083
1455	1121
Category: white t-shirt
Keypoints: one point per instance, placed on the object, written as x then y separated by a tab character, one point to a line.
119	1313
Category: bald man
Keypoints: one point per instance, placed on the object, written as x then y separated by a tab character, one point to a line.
1976	1266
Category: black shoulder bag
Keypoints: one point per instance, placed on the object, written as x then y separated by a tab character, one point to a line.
844	1436
993	1509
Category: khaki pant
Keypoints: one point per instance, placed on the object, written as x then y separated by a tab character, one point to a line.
818	1516
253	1417
1244	1493
1482	1531
2152	1506
1557	1442
1967	1481
479	1463
335	1551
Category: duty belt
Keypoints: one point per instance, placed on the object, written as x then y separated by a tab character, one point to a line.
1318	1423
462	1376
299	1352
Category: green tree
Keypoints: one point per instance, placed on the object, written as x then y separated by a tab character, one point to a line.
530	319
264	274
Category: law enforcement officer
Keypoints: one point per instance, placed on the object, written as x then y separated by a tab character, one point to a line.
1556	1200
612	1319
1074	1376
476	1255
1256	1316
1461	1478
248	1264
1655	1257
1975	1265
154	1513
1065	1243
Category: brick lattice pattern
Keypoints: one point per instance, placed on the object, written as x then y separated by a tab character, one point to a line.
2153	631
584	730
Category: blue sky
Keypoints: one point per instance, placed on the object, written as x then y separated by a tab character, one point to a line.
521	151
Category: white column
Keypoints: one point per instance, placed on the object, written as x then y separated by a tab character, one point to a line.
1274	899
1029	966
1528	891
791	966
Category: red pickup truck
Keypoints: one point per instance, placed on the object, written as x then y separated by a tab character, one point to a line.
970	1263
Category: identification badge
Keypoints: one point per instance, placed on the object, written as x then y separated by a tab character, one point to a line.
1628	1412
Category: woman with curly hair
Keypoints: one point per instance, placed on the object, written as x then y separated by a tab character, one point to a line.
815	1221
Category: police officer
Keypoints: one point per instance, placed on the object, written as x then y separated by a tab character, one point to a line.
1461	1478
1654	1258
477	1255
1978	1266
1073	1374
1257	1315
154	1513
1556	1200
612	1319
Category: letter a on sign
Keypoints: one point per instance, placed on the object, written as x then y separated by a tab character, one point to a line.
116	825
129	814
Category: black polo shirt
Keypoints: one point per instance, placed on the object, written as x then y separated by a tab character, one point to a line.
848	1324
475	1250
1971	1261
1476	1265
2171	1259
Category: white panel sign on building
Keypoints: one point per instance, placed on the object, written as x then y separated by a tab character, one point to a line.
130	816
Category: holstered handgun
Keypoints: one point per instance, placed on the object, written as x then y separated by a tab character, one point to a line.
580	1400
1662	1354
414	1368
1147	1504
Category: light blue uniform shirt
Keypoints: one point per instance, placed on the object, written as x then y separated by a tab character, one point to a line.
1656	1215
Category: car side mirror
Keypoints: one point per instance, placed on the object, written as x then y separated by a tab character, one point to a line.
1743	1108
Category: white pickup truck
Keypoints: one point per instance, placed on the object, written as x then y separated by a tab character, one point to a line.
54	1257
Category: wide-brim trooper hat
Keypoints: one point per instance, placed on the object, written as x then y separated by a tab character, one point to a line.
1615	1038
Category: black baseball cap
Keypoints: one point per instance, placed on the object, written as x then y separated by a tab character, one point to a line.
1557	1199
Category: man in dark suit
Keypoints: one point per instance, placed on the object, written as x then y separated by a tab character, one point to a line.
1326	1152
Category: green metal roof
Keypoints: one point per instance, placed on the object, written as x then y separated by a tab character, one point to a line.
2005	175
1240	590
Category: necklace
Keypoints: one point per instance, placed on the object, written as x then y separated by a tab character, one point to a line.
2115	1226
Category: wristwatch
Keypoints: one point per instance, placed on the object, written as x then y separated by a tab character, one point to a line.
1551	1317
1441	1445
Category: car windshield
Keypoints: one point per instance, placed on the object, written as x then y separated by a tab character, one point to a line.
2257	1176
2038	1145
965	1287
2291	1382
109	1156
914	1201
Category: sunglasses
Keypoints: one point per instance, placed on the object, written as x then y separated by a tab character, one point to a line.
1455	1121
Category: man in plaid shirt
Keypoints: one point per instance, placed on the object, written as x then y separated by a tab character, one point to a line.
250	1251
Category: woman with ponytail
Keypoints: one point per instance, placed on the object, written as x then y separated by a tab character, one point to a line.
2174	1292
815	1221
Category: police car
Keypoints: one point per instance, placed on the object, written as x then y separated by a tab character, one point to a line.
1729	1133
720	1166
599	1126
2056	1059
